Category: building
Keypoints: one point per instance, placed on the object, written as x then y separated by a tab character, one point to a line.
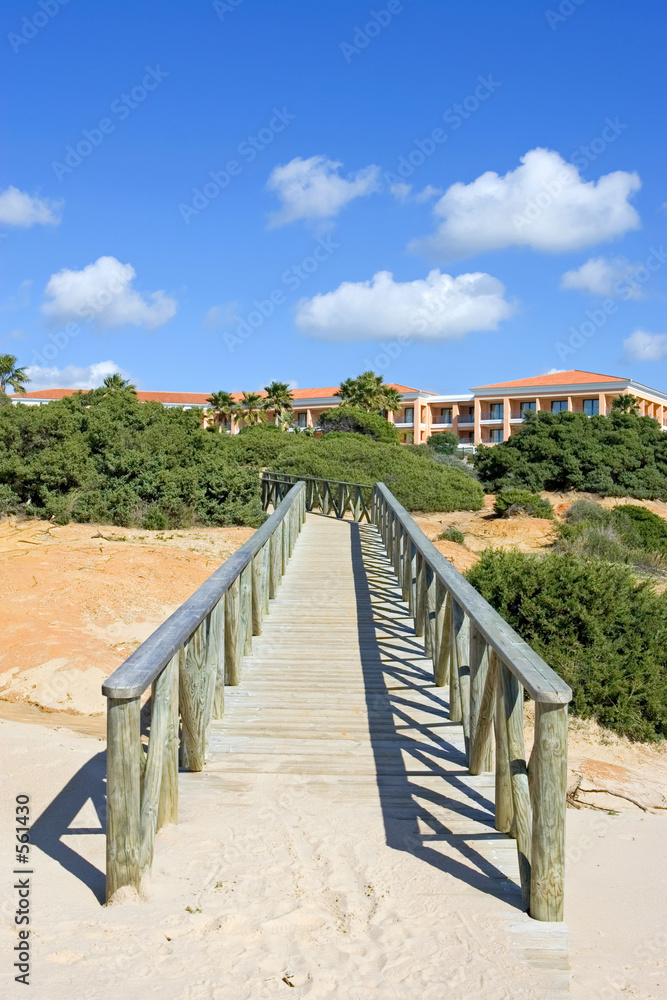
487	414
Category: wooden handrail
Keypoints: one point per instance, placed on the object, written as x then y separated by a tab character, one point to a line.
325	495
488	667
187	660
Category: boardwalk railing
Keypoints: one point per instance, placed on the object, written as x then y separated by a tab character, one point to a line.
330	498
488	668
186	662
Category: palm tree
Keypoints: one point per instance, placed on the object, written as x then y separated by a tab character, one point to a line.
116	383
369	392
625	403
224	408
252	408
279	398
10	375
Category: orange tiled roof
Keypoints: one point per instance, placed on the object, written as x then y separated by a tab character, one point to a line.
194	398
572	377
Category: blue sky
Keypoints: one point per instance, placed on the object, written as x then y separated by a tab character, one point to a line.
342	231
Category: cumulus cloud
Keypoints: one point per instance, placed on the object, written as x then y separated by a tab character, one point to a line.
72	377
543	204
601	276
219	316
400	190
644	346
18	208
314	189
102	292
439	307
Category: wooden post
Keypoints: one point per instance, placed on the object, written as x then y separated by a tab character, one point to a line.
266	573
548	765
443	639
420	596
522	828
168	804
504	804
196	694
457	623
412	563
276	559
462	643
123	794
257	592
396	549
481	753
480	736
161	698
246	609
217	637
429	612
284	549
405	567
232	634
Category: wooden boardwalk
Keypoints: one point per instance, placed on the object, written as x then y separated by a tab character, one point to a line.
337	709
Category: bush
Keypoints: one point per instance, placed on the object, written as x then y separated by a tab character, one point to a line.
603	632
352	419
416	480
509	502
452	534
447	442
9	500
619	455
626	534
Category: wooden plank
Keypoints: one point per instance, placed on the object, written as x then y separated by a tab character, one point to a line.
246	600
481	756
196	693
503	798
217	655
161	712
168	802
522	827
123	795
233	638
257	592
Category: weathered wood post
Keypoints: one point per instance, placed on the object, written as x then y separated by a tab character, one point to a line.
168	804
443	639
504	805
480	733
217	654
233	634
548	765
462	641
405	567
458	659
246	609
412	596
420	596
123	794
196	693
522	827
275	556
257	591
429	611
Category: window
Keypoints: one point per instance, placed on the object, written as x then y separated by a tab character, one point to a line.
409	415
496	411
496	436
302	419
527	407
466	437
592	407
558	405
446	415
466	415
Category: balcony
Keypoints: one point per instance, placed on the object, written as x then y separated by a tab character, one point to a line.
465	419
403	424
491	418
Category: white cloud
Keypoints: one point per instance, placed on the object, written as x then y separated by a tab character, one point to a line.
313	188
644	346
103	292
72	377
543	204
428	193
400	190
601	276
438	307
18	208
219	316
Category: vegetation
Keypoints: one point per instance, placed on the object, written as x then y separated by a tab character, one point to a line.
627	534
224	408
356	420
369	392
619	455
416	480
104	456
279	398
446	443
510	502
600	629
10	375
452	534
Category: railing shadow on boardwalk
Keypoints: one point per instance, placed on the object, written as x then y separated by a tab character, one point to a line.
54	823
407	795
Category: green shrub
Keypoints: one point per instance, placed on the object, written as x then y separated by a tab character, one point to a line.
640	527
603	632
9	500
626	534
417	481
619	455
352	419
510	502
452	534
447	442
